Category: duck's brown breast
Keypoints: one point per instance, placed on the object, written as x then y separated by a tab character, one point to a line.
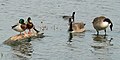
23	26
29	25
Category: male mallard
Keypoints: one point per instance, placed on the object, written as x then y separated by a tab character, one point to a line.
101	23
20	27
72	17
76	27
30	25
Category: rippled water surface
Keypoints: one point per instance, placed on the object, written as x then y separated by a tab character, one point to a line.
55	46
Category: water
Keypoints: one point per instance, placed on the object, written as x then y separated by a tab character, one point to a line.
54	45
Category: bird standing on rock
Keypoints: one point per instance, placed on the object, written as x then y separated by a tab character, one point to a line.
20	27
30	25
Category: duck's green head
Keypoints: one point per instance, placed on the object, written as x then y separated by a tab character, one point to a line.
21	21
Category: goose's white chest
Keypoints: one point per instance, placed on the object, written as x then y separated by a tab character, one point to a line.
104	24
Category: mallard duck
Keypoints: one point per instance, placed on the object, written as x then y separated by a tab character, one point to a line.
30	25
20	27
101	23
72	17
76	27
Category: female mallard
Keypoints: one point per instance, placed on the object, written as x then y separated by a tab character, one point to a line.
76	27
101	23
72	17
30	25
20	27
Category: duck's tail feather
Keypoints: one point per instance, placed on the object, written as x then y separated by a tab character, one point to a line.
13	26
36	30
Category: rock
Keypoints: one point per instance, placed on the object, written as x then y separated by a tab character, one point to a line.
19	39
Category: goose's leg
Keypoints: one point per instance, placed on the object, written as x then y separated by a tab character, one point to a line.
105	32
97	32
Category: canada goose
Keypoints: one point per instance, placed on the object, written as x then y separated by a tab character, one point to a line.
101	23
72	17
30	25
76	27
20	27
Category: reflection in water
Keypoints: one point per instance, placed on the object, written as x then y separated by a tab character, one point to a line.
101	41
71	35
101	46
24	50
80	35
1	55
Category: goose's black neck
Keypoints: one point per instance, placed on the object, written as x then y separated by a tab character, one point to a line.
73	16
70	25
108	20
